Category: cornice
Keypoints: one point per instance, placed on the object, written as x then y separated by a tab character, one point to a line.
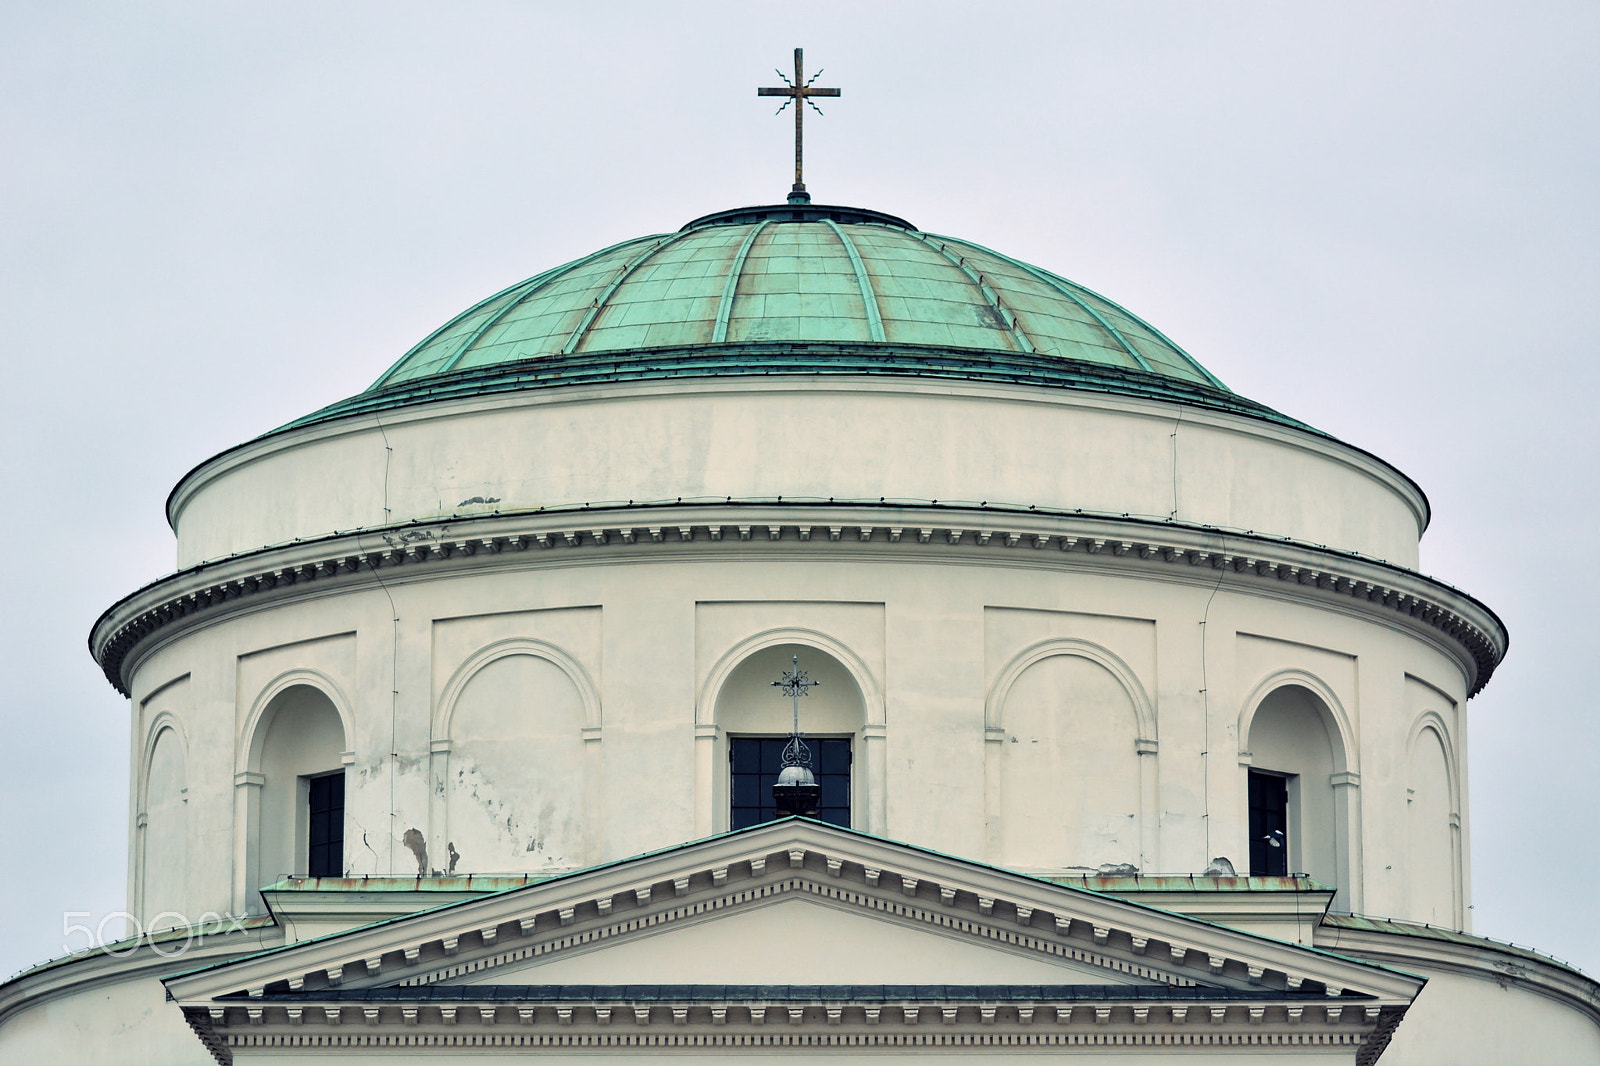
896	882
391	985
1458	624
1467	955
934	1024
157	955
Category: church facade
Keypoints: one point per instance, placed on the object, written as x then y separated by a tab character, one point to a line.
454	731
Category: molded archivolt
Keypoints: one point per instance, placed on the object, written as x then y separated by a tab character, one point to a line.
253	734
540	649
162	722
1346	753
515	764
1435	721
871	692
993	708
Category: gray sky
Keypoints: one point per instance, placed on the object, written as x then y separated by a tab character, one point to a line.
1380	218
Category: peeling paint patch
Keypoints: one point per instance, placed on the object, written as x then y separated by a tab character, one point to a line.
419	848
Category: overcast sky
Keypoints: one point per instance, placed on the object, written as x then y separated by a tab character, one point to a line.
1379	218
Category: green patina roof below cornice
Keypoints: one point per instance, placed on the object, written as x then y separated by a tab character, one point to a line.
806	359
786	289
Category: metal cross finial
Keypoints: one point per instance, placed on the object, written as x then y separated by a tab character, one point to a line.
794	684
799	93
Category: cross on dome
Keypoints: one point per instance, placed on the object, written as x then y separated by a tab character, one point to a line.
799	93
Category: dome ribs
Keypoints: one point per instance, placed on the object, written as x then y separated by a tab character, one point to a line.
534	286
909	283
1104	323
616	283
514	293
1007	316
869	298
1156	333
730	291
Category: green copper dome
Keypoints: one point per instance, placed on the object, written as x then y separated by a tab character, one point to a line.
795	289
794	274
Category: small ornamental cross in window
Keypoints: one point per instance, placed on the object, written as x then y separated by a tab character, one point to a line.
794	684
799	93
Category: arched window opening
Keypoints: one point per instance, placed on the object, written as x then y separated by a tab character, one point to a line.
756	719
1292	821
301	829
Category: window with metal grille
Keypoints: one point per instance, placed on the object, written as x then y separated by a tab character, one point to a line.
325	834
1269	824
755	762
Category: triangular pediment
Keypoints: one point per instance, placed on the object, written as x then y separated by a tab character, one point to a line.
801	937
792	916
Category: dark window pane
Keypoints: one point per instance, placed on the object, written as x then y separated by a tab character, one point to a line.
839	816
325	828
1269	824
754	763
835	791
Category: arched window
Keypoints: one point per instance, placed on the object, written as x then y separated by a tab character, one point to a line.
1293	826
756	719
300	823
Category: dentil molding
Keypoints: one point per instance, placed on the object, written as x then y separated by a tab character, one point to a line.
1461	625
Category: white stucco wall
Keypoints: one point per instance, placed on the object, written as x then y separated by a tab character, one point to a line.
127	1022
827	438
571	701
547	709
1476	1020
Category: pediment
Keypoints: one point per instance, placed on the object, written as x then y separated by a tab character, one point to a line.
798	936
821	923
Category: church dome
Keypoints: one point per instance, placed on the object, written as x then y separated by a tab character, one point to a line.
799	337
796	289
